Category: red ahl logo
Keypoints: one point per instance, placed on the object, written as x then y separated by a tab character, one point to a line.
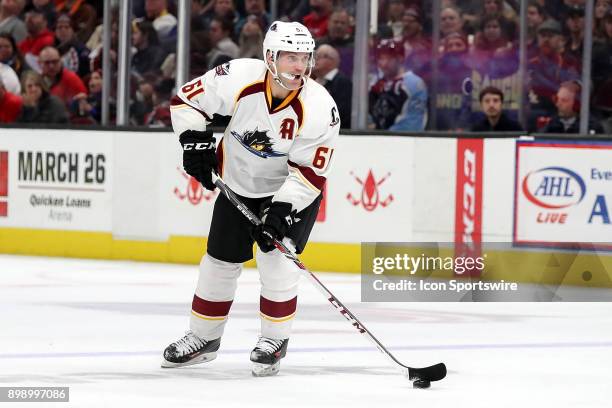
370	195
194	192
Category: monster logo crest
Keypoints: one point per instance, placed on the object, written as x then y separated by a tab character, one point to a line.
258	142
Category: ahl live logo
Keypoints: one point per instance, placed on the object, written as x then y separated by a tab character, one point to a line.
192	190
4	184
557	190
370	196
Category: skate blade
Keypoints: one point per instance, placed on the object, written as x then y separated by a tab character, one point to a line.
204	358
265	370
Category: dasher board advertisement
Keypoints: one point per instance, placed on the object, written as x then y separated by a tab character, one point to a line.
56	179
563	194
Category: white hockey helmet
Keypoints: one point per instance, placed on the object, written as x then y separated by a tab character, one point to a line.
293	37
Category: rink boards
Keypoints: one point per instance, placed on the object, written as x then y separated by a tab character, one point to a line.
123	195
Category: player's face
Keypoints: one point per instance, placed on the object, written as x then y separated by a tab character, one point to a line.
295	63
491	105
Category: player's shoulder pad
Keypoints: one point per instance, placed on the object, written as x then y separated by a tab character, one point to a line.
240	71
318	103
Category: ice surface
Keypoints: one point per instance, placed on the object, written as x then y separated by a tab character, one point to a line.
100	327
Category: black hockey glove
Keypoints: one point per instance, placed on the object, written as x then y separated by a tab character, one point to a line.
276	220
199	156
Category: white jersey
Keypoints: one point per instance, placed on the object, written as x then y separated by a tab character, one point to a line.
285	152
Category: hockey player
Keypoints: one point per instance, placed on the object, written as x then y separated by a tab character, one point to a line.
275	154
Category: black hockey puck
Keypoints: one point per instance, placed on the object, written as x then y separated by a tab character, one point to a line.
421	384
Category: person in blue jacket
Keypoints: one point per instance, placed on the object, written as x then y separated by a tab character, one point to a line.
398	100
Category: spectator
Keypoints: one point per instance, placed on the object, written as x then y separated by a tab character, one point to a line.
417	48
398	101
10	79
149	55
558	10
199	8
475	10
339	32
495	61
337	84
62	82
491	40
160	115
10	105
574	24
535	16
75	55
339	36
221	8
316	21
451	21
567	119
199	46
83	17
547	70
250	39
45	7
394	16
163	22
601	8
257	9
143	103
11	56
95	40
602	69
491	101
293	10
220	31
88	108
10	23
38	37
96	53
452	103
39	106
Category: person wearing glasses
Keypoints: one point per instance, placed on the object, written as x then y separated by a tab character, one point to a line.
62	82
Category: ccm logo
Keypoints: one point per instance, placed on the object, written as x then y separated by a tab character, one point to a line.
198	146
469	195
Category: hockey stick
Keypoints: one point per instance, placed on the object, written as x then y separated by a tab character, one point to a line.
420	376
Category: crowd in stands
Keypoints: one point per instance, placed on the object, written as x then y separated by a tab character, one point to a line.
51	59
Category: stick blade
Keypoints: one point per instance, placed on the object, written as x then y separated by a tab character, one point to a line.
432	373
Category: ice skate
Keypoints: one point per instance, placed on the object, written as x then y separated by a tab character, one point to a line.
189	350
266	356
